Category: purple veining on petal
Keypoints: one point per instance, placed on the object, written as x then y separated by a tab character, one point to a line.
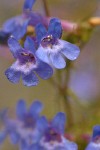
49	41
29	121
52	135
26	57
96	140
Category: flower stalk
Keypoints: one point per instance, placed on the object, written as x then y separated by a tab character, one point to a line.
47	13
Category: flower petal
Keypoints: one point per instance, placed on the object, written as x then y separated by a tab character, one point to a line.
20	30
36	108
35	147
40	32
55	28
71	145
9	25
58	122
13	75
93	146
37	18
14	46
21	109
30	79
42	55
44	70
61	148
96	131
71	51
67	145
42	124
28	4
3	114
57	60
2	136
14	137
24	145
29	44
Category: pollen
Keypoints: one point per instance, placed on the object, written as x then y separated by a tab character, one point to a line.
24	54
48	38
30	29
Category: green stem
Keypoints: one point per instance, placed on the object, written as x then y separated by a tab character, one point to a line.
46	8
65	95
62	85
68	110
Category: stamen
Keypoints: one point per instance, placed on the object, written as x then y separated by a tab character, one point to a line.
24	54
28	57
48	38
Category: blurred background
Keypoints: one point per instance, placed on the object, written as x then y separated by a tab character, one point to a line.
85	78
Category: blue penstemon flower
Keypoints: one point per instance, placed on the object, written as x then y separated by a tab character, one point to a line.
53	137
26	64
95	140
41	125
33	132
24	127
51	48
17	26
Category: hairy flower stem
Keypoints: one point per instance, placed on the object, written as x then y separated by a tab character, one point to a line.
46	8
64	93
68	109
62	85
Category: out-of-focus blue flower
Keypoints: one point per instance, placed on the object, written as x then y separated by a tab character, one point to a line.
26	127
9	127
41	125
3	114
30	116
51	48
28	4
33	132
2	136
26	64
53	137
17	26
25	146
95	141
